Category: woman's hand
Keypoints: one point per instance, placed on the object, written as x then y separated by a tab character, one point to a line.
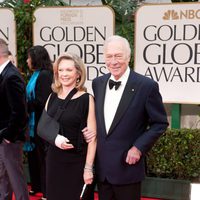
88	174
88	177
63	143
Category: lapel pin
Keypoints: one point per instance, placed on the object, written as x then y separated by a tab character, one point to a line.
132	90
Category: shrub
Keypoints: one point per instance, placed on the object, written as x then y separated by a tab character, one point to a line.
176	155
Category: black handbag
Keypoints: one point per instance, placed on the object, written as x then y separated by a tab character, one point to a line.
48	127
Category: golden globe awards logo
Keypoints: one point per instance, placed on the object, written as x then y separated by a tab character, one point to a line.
80	30
167	49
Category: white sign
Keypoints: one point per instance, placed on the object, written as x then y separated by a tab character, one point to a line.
195	187
167	49
8	28
81	30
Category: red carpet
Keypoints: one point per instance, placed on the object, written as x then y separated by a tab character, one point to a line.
39	195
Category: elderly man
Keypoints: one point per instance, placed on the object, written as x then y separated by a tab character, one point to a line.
130	118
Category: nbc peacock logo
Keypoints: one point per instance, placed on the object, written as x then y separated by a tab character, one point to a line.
181	14
170	14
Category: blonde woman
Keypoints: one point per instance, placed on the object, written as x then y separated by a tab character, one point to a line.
70	161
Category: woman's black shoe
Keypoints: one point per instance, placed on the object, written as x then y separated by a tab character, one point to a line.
31	192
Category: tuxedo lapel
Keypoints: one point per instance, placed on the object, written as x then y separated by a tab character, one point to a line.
1	78
3	73
127	97
101	99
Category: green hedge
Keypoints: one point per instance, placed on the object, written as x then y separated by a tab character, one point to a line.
176	155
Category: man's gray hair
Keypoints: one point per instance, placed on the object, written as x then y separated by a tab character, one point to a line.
121	39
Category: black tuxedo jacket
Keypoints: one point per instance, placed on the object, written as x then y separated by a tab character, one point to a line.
139	120
13	115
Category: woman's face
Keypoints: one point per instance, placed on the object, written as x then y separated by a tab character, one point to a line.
67	73
28	61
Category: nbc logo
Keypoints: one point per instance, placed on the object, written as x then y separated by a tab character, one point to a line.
182	14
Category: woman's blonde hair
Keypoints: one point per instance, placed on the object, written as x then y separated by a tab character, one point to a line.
80	67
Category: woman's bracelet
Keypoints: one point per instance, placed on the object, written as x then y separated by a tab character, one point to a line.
88	167
88	170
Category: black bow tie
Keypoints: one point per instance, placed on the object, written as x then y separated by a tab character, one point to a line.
114	83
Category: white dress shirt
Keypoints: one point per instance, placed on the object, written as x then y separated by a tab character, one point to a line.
3	66
112	99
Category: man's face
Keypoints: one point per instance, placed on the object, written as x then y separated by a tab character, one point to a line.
116	58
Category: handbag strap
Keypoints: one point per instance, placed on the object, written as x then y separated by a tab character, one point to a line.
62	108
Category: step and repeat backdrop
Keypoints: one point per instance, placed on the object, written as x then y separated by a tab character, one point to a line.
167	42
81	30
167	49
8	29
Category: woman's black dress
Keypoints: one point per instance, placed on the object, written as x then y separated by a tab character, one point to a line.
65	167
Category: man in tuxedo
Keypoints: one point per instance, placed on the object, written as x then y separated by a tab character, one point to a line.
13	119
130	118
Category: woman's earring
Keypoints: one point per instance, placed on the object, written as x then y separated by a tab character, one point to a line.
77	80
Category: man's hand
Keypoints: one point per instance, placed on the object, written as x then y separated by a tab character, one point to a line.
133	156
88	134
